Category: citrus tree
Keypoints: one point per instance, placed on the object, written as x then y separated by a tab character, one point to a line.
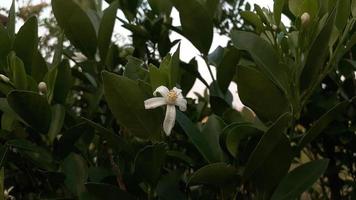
92	119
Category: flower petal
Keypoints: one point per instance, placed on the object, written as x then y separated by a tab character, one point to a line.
163	90
155	102
178	91
170	119
182	104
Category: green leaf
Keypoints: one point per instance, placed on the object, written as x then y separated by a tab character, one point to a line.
269	141
207	146
148	163
227	68
317	55
342	14
253	19
161	6
264	56
12	21
271	101
76	171
201	21
110	192
25	44
63	82
212	131
5	42
216	174
57	120
106	29
322	123
298	7
134	69
19	76
126	102
71	18
40	156
299	180
353	8
129	7
277	10
237	132
32	108
39	67
169	187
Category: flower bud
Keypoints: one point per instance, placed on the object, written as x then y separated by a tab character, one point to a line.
42	88
305	19
274	27
4	78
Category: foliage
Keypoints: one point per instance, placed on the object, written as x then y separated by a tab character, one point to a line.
87	134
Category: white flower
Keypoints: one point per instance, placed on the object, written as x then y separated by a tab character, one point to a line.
7	195
171	98
79	57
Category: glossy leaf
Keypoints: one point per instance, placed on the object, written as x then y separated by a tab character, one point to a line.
19	75
106	29
264	55
126	101
299	180
70	16
25	44
216	174
317	55
271	102
76	171
134	69
227	68
253	19
277	10
32	108
57	120
202	143
201	21
269	141
342	14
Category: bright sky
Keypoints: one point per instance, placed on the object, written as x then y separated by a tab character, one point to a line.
187	51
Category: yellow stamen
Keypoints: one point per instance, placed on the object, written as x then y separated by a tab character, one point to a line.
171	97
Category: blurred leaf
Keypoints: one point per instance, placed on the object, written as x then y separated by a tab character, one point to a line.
238	132
269	141
110	192
277	9
148	163
161	6
18	72
126	101
71	18
353	8
227	68
76	171
63	82
3	154
201	21
5	42
322	123
264	55
317	55
168	187
12	21
134	69
25	44
253	19
106	29
299	180
271	102
129	7
342	14
298	7
39	67
40	156
57	120
207	146
32	108
216	174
